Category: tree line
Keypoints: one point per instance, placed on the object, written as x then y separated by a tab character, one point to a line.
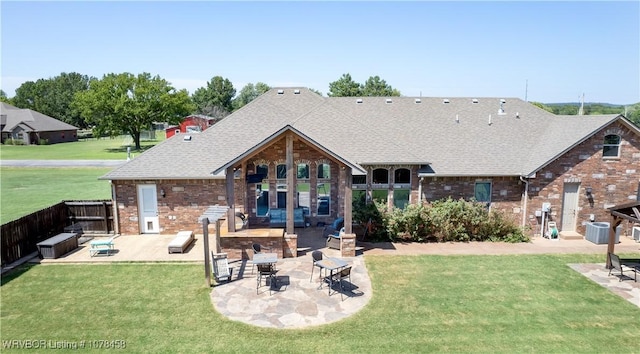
129	104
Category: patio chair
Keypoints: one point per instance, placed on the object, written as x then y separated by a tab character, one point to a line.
316	256
340	277
334	228
268	271
221	268
623	266
256	249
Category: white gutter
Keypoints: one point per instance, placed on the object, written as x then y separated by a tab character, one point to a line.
525	197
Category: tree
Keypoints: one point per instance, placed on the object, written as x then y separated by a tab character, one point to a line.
542	106
248	93
3	97
124	103
344	87
376	87
633	114
215	98
53	96
26	95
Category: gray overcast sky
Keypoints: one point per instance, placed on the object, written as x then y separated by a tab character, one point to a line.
442	49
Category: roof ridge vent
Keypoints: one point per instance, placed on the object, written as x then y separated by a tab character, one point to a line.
418	100
359	100
475	100
388	100
445	100
296	92
280	92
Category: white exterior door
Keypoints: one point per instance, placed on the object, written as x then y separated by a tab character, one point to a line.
148	209
570	206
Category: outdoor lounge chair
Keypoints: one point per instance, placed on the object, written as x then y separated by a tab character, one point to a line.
180	243
220	266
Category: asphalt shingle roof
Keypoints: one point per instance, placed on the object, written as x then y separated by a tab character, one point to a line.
463	137
30	120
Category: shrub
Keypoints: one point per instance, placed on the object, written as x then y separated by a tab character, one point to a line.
450	220
43	142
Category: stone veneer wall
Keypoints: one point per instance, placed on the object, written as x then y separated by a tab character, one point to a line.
241	247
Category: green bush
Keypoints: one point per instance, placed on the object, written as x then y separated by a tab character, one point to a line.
444	220
43	142
13	142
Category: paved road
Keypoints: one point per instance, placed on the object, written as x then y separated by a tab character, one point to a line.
62	163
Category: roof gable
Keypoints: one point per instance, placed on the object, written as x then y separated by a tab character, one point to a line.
32	119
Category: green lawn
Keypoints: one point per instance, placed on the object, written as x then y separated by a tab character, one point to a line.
26	190
508	304
89	149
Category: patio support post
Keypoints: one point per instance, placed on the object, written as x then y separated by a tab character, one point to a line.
231	213
615	221
205	237
348	218
291	175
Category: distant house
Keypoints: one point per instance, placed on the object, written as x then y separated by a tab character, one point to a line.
32	127
291	148
191	124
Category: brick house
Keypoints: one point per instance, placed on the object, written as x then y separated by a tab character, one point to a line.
191	124
31	127
291	148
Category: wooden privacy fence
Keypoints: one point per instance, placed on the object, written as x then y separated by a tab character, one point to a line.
19	237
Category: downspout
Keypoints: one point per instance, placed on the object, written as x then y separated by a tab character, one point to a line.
524	200
420	190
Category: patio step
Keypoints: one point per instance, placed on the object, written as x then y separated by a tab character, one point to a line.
570	235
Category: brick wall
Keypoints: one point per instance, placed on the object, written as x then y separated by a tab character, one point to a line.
184	202
614	181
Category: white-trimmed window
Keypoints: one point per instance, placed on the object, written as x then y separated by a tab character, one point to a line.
611	146
303	171
381	176
401	198
402	176
482	192
324	171
323	191
263	170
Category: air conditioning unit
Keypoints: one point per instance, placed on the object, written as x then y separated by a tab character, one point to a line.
636	233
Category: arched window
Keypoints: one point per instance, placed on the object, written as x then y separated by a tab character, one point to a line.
402	176
324	171
281	171
611	146
262	170
303	171
381	176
